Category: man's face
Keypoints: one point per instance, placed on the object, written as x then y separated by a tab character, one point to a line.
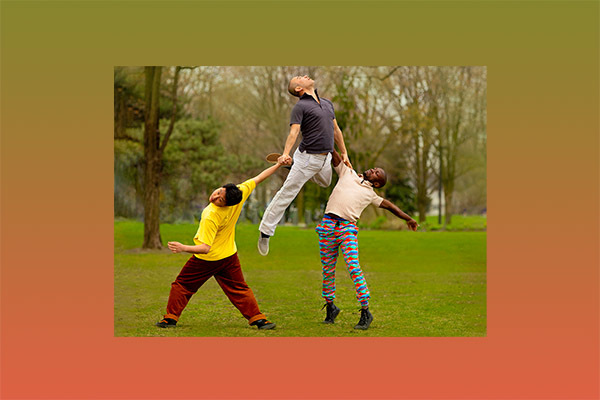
218	197
376	176
303	81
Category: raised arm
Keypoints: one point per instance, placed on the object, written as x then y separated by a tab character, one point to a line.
266	173
388	205
336	158
339	141
289	143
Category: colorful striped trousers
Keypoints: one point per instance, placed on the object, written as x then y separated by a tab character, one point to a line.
333	235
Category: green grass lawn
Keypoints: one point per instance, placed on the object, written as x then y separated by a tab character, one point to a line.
458	223
421	284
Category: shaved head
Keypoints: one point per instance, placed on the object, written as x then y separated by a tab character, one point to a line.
302	81
292	87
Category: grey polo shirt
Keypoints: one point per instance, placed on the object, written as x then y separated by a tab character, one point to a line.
316	124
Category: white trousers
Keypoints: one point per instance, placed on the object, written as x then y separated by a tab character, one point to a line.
315	167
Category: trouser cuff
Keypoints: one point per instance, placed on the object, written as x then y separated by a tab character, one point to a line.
172	316
256	318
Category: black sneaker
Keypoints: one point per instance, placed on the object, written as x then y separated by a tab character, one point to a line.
332	312
365	319
263	324
166	323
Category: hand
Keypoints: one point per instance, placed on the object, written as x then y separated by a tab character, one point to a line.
346	160
175	247
412	224
284	160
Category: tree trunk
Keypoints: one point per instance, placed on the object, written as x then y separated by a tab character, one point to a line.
422	210
448	195
300	207
152	161
421	186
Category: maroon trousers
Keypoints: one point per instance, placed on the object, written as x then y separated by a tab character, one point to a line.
227	272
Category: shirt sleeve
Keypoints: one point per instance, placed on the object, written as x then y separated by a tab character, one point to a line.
376	200
332	109
247	188
207	231
297	114
341	169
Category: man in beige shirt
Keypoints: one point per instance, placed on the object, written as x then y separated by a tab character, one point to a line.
351	195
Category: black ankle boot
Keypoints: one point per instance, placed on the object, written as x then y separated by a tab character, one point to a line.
332	312
365	319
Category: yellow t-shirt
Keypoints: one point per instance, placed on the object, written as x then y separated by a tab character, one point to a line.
217	226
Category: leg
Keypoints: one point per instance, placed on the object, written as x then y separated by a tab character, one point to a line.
349	247
231	280
192	276
329	245
284	197
323	177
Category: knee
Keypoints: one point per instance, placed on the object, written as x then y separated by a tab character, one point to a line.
181	287
327	182
322	181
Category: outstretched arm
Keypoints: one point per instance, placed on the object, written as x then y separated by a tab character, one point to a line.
339	141
177	247
388	205
266	173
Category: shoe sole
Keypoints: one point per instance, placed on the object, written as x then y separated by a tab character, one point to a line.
363	328
166	326
268	326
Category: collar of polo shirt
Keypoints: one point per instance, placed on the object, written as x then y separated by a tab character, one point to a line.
308	95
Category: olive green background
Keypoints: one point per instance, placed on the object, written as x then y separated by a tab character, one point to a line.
57	195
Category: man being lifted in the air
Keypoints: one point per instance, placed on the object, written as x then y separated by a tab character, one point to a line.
315	118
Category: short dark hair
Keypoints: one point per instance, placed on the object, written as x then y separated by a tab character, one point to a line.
381	180
233	195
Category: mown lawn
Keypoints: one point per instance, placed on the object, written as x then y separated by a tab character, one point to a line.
459	223
421	284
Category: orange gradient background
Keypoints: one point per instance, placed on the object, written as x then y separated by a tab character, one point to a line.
57	199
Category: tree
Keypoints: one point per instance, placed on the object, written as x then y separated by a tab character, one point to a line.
128	117
460	119
153	153
194	164
403	119
255	106
410	92
365	110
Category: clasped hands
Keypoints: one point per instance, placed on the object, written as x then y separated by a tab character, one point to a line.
284	159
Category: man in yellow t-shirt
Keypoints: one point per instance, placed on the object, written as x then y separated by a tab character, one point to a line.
215	254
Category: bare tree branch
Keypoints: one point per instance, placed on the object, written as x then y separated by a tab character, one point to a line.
389	74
